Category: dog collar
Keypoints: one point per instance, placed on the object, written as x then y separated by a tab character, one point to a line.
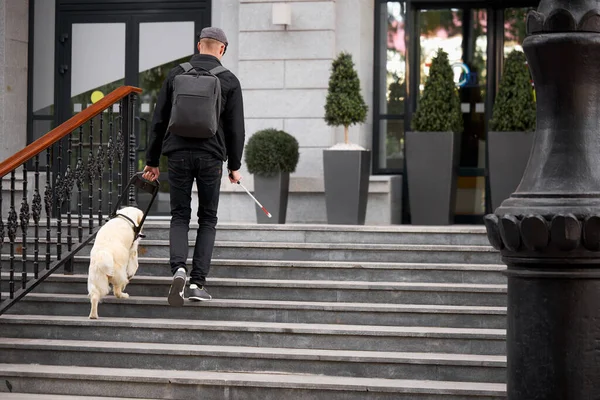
136	229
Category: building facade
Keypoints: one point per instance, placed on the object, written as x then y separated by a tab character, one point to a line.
57	53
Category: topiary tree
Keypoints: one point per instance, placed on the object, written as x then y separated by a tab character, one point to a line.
514	109
439	107
270	151
345	105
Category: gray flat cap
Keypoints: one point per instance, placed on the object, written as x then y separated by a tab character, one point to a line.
213	33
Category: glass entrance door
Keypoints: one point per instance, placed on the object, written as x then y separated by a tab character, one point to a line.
105	52
462	33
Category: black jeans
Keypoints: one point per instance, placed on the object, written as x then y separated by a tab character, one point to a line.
184	167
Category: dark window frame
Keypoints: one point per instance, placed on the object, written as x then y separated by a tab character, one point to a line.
495	34
495	56
136	11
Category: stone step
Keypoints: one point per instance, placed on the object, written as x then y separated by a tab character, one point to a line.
408	253
307	290
31	396
361	364
300	233
318	270
337	252
269	311
142	383
336	234
258	334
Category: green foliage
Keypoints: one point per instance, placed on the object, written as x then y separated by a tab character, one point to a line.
514	109
270	151
345	105
397	93
439	107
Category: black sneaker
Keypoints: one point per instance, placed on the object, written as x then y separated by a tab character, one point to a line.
198	293
177	288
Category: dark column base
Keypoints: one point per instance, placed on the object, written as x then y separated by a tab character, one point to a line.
553	342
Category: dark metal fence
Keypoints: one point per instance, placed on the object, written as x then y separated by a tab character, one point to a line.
76	166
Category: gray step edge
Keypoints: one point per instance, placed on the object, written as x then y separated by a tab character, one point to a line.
280	304
157	223
32	396
300	246
248	326
309	284
307	264
255	352
272	380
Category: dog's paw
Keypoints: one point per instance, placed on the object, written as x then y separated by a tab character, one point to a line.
123	296
94	316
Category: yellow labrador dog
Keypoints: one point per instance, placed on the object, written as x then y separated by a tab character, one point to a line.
114	257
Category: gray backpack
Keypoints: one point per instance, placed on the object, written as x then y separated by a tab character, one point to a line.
196	107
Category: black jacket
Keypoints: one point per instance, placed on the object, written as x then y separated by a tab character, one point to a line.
227	144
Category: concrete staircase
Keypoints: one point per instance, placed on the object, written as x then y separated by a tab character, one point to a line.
299	312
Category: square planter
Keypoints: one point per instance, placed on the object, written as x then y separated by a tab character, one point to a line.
508	156
346	185
432	162
272	192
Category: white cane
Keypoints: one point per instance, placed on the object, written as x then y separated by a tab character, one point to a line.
254	198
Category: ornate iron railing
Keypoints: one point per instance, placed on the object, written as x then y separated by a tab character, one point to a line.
89	153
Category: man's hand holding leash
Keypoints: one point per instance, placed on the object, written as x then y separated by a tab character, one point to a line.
151	173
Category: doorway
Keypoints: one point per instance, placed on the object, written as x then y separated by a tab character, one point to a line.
99	51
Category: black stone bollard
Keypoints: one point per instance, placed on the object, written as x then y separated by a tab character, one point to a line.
548	231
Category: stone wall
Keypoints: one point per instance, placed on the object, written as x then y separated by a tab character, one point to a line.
284	70
14	17
284	73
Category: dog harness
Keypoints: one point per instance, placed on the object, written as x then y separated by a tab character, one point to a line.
136	229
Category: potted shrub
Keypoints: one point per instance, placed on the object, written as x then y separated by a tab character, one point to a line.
271	155
346	166
512	128
433	147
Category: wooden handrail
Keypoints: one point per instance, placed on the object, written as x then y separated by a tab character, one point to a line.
64	129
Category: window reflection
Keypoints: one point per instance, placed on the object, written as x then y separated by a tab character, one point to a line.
478	56
515	28
393	133
439	29
395	58
392	84
43	57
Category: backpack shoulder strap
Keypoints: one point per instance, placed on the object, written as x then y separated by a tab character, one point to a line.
187	67
218	70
